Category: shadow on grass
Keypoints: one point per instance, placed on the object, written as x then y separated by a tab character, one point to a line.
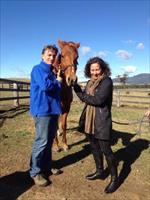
72	158
85	140
11	113
123	136
128	154
13	185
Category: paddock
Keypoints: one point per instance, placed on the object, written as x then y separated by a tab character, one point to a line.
131	150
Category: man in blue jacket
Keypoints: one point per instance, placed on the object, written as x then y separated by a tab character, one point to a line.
45	107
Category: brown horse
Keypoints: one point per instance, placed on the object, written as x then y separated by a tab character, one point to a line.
68	65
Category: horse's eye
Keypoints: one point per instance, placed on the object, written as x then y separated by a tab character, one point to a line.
62	72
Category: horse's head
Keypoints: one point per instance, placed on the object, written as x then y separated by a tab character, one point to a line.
68	64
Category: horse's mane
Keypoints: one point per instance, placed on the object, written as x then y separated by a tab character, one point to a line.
73	45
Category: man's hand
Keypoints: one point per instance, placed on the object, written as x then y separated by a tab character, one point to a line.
59	78
147	114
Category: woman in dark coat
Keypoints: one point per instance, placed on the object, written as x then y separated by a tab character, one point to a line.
98	122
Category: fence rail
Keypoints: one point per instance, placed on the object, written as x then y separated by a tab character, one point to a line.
16	87
131	96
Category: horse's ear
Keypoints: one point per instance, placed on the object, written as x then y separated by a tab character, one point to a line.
61	43
77	45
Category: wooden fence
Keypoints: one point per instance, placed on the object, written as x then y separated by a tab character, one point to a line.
133	97
130	97
16	87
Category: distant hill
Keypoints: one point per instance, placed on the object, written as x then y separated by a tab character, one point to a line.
19	79
143	78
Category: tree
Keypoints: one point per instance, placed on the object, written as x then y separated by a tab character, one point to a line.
123	78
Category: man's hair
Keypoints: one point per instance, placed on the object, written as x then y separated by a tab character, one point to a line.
103	65
50	47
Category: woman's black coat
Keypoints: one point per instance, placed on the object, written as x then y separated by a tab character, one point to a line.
102	100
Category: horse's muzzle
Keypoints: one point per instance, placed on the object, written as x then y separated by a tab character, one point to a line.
71	80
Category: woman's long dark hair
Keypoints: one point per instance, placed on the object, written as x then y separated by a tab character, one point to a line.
103	65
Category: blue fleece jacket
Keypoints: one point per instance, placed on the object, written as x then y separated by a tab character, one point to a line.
44	91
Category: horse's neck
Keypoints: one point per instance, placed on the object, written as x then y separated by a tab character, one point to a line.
66	93
65	88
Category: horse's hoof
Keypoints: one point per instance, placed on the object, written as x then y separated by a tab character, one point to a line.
59	133
65	147
56	149
55	171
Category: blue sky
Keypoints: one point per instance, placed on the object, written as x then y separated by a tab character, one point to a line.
117	31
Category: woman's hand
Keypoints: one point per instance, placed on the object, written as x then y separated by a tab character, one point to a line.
77	88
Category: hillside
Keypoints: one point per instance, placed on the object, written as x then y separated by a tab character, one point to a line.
143	78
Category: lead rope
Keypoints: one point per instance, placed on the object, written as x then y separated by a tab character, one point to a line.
140	122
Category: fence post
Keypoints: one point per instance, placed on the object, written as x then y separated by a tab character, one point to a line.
118	98
16	94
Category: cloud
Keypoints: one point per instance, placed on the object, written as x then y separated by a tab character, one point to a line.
140	46
123	54
129	68
102	54
129	41
85	50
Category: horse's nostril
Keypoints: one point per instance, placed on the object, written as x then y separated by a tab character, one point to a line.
70	80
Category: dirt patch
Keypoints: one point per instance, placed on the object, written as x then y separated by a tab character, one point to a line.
131	150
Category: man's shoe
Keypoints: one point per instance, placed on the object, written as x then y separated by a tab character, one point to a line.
96	175
40	180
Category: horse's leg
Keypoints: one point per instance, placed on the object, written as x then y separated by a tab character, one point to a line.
64	127
56	147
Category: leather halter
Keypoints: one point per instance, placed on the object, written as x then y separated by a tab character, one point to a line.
68	66
59	67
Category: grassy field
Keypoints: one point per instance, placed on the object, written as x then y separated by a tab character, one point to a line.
131	150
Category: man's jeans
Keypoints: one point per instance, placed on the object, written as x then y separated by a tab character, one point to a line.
41	158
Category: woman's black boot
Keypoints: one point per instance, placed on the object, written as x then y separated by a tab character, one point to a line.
98	158
95	175
113	185
99	174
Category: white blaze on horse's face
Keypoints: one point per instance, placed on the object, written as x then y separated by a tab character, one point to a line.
70	74
69	56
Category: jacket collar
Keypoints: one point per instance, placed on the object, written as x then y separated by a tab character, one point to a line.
45	66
